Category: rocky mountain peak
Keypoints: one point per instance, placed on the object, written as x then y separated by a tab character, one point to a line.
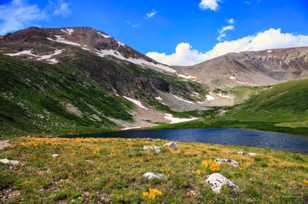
33	40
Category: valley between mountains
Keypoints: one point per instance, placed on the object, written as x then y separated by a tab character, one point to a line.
61	86
82	80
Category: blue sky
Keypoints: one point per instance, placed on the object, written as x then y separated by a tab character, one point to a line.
159	26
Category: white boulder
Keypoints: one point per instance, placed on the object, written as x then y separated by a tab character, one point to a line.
217	181
155	149
151	176
250	154
55	156
171	145
9	162
230	162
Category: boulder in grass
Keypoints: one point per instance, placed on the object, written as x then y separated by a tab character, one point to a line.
171	145
9	162
230	162
250	154
151	176
218	181
155	149
4	144
55	156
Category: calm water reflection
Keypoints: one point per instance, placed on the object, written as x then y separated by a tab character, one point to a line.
228	136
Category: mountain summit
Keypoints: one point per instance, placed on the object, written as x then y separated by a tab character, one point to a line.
43	44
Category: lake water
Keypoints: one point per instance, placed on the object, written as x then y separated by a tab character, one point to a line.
227	136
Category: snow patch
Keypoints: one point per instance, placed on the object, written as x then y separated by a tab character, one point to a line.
49	58
158	98
187	77
24	52
184	100
121	44
68	31
60	39
174	120
136	102
130	128
142	62
232	77
269	51
104	35
210	98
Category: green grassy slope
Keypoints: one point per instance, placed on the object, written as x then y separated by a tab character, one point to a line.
34	97
283	107
111	171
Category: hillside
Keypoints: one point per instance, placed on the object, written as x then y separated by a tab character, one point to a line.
251	68
282	108
112	171
82	79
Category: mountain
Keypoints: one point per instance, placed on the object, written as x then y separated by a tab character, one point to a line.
251	68
81	78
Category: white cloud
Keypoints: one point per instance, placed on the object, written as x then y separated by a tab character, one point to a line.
62	9
17	14
151	14
209	4
231	20
222	33
223	30
269	39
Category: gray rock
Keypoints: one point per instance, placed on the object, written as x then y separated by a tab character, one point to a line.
9	162
171	145
151	176
155	149
217	181
230	162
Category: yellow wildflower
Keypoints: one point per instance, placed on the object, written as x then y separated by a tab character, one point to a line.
152	194
205	163
306	181
215	167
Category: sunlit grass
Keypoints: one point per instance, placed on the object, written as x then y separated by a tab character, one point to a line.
111	170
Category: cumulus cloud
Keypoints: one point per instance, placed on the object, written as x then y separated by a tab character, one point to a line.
270	39
209	4
62	8
17	14
151	14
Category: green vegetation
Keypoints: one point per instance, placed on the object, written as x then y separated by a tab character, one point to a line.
38	98
281	108
110	170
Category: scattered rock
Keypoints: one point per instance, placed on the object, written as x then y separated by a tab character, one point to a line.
55	156
155	149
151	176
9	194
217	181
230	162
250	154
9	162
171	145
4	144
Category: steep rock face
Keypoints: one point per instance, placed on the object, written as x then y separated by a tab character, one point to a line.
251	68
